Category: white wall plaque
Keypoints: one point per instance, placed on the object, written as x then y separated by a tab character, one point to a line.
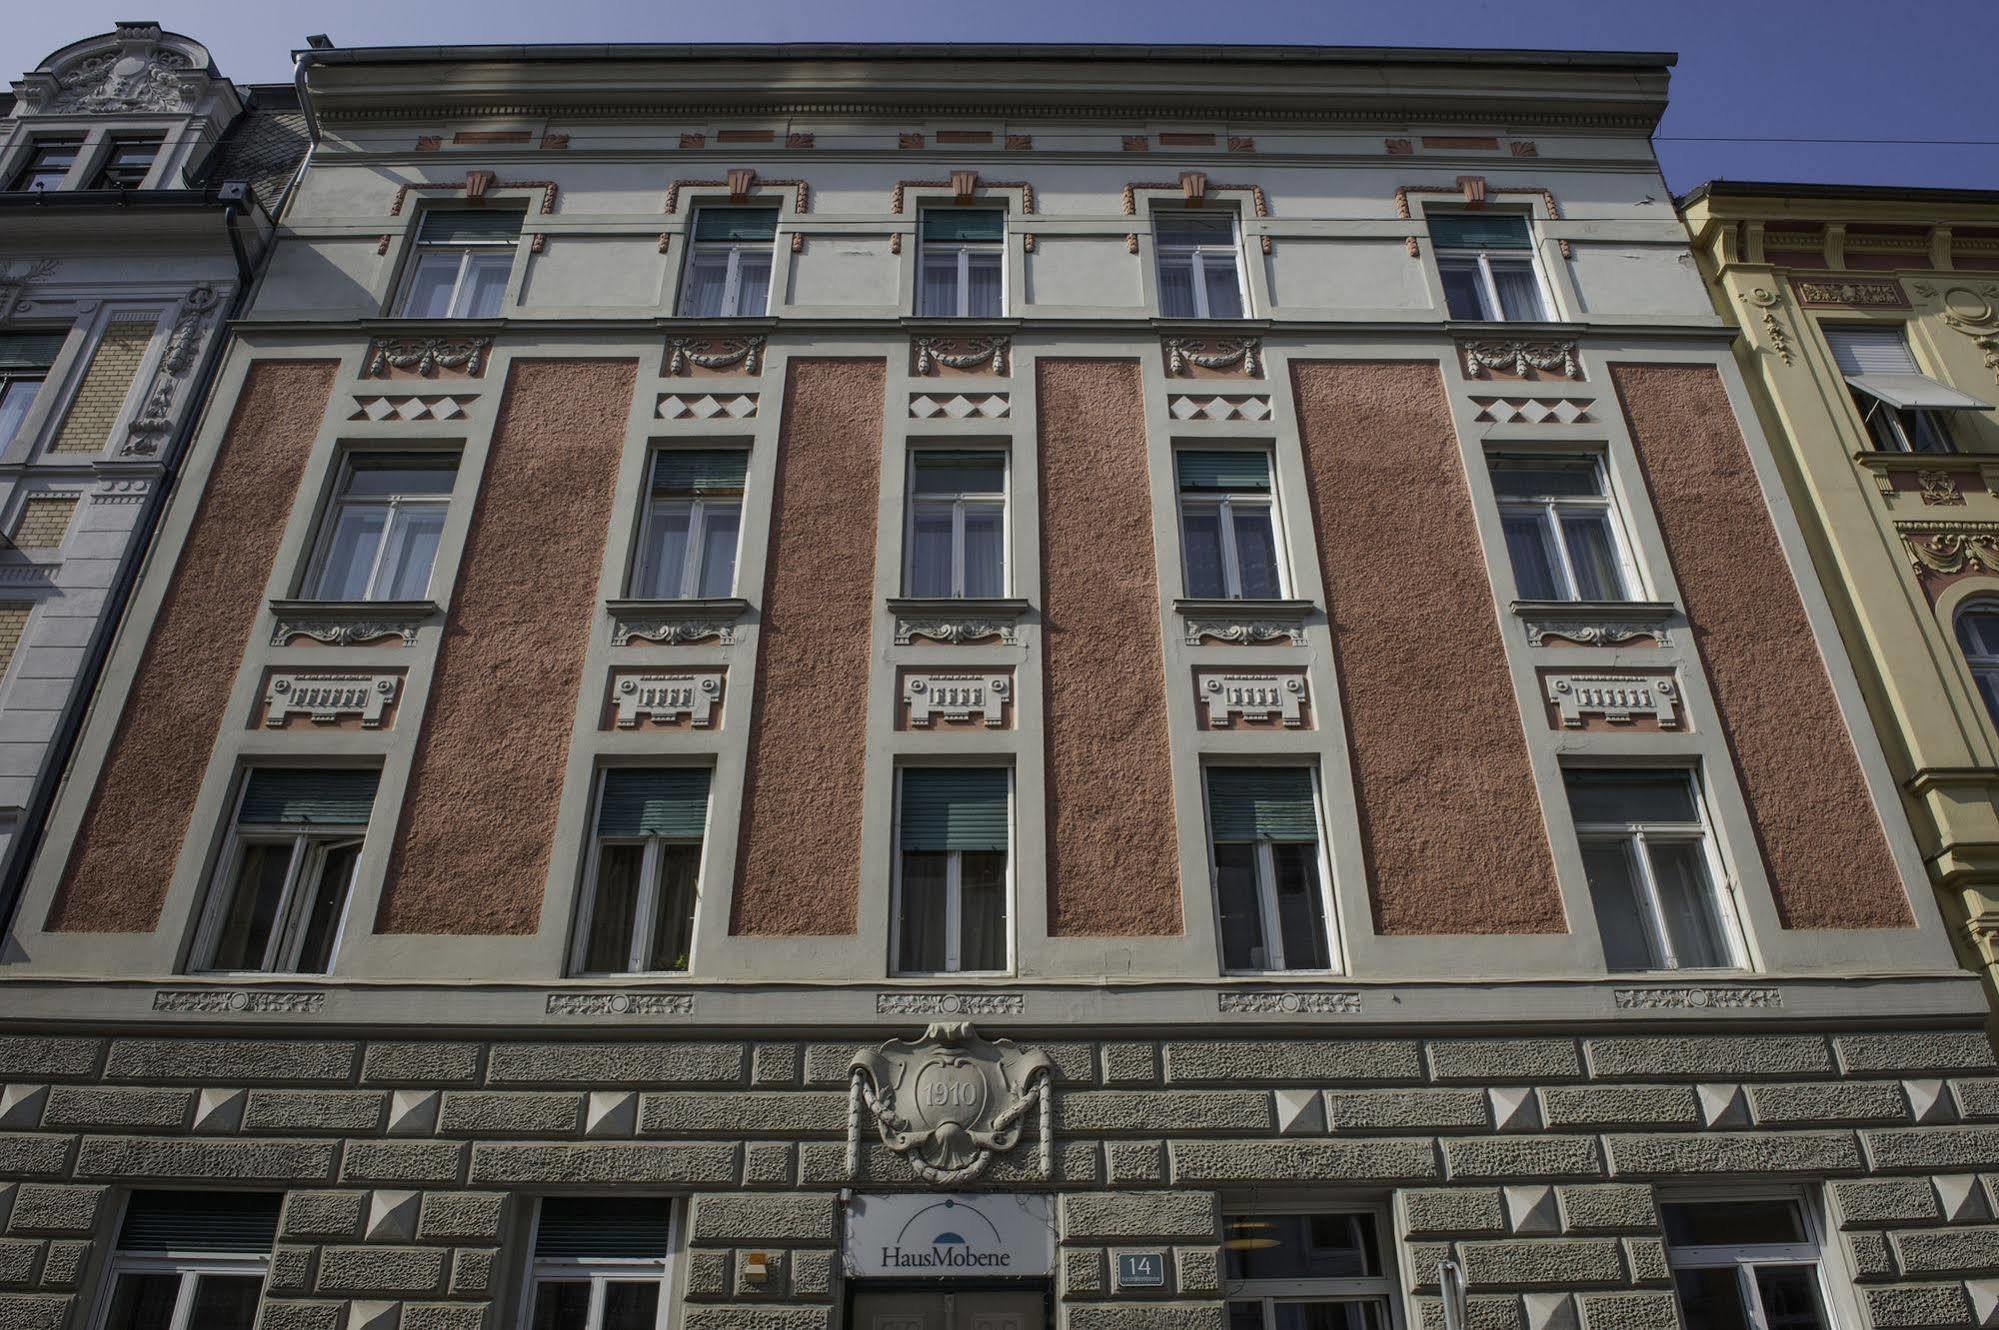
1252	697
666	698
956	697
328	697
1618	698
925	1235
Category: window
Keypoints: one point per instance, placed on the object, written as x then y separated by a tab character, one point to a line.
48	164
1978	634
1903	409
380	538
1309	1270
1228	531
951	894
127	163
1560	531
957	524
959	262
1199	277
24	366
1745	1262
645	871
600	1263
191	1260
693	519
463	259
1652	869
1487	263
728	264
1264	827
287	870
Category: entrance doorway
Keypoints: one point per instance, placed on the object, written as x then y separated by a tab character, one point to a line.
951	1309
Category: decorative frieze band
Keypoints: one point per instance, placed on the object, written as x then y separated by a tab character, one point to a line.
667	698
1595	623
1253	697
325	698
1697	999
249	1002
427	357
1186	354
1263	1003
981	406
675	622
350	623
937	696
988	354
706	406
1533	410
411	409
1183	407
1244	621
1520	358
620	1004
1951	548
716	354
1853	295
950	1004
1618	698
954	620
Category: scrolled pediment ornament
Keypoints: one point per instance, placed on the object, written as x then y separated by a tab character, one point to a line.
1960	547
950	1101
124	79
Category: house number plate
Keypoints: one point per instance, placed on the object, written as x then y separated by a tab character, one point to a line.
1141	1269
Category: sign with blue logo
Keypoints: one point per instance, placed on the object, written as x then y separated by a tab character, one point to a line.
952	1236
1141	1269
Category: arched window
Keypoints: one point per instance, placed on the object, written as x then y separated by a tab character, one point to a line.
1978	634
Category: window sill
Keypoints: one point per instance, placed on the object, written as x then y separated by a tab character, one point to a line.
350	622
1245	622
676	622
1595	623
1638	611
957	619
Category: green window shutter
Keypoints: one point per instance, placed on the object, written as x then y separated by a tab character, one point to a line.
470	226
200	1221
1223	470
954	225
1464	230
954	808
699	470
654	801
581	1228
726	224
1262	803
30	350
339	797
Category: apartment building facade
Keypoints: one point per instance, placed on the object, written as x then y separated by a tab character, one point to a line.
1871	339
136	190
1012	687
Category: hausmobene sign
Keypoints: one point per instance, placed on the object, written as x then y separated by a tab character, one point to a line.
927	1236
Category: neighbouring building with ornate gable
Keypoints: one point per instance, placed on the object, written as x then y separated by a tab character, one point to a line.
985	688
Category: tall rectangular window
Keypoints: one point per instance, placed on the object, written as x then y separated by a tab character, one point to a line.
954	826
1652	867
1904	410
48	165
959	262
1263	825
1561	529
126	164
645	871
1200	276
191	1260
728	263
693	524
1746	1261
379	537
24	366
463	259
957	524
286	870
1228	527
1320	1269
600	1263
1487	262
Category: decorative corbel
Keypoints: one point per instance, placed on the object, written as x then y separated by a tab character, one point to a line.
476	185
1474	188
964	184
1194	186
741	181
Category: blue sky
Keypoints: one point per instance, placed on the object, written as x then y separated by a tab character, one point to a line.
1759	69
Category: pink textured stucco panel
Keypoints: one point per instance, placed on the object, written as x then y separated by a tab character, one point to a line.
1822	840
471	854
799	863
1449	817
1113	861
125	849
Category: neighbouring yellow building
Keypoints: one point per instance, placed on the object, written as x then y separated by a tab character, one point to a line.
1870	342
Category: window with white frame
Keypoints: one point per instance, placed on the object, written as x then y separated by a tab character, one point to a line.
957	524
728	263
379	537
1323	1268
48	165
1228	525
644	874
1654	870
286	871
1200	271
25	359
600	1263
1747	1261
1270	897
462	261
959	262
1978	635
126	163
1904	410
1486	260
693	524
190	1260
954	828
1561	529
